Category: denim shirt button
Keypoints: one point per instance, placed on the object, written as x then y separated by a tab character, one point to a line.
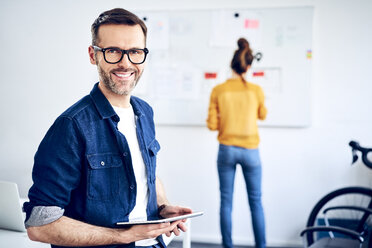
102	163
131	187
125	154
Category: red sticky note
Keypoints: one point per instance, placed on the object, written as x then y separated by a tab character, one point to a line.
258	74
210	75
251	23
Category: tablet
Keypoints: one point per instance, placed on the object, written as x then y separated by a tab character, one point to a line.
171	219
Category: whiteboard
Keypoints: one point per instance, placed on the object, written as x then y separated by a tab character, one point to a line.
191	50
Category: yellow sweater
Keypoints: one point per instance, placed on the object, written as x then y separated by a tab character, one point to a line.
234	109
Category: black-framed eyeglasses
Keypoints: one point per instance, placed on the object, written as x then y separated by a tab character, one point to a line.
114	55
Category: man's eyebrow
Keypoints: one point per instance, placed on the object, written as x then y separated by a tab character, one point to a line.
123	49
136	48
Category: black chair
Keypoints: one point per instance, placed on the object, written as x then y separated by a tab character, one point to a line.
352	238
342	218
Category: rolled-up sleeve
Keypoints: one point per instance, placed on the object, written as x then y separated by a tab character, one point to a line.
41	215
56	172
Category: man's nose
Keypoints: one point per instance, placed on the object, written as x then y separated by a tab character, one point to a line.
125	62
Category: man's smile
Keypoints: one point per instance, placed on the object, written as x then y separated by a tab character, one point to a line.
124	75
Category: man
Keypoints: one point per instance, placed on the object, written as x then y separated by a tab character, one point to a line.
96	164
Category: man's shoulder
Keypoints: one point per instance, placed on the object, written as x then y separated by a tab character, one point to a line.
140	103
83	104
139	100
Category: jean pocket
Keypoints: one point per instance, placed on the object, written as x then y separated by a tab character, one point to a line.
104	175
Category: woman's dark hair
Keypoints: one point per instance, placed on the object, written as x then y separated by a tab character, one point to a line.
243	57
116	16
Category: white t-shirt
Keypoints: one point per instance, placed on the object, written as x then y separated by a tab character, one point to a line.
127	126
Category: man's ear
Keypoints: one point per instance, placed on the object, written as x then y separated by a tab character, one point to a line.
92	56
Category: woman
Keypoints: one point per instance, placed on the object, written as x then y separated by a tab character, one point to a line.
235	106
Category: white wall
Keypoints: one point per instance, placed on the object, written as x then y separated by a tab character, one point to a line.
45	68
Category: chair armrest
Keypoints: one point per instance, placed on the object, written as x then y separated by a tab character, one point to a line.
342	230
361	209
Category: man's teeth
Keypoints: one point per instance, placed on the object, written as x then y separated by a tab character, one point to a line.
123	74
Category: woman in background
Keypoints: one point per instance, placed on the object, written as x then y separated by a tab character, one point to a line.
234	108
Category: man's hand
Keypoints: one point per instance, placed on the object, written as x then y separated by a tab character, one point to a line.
140	232
172	211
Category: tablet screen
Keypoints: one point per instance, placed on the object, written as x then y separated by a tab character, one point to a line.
171	219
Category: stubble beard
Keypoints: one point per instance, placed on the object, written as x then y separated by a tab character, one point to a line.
113	87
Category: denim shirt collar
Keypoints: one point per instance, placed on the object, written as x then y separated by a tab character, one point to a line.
104	107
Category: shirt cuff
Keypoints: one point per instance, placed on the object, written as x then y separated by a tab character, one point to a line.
42	215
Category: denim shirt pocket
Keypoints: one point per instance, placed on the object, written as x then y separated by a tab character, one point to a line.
104	175
153	149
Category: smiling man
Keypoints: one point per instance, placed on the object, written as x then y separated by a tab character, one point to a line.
121	77
96	165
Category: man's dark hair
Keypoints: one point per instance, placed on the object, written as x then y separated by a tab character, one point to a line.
116	16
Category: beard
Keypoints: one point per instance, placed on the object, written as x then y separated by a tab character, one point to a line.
113	86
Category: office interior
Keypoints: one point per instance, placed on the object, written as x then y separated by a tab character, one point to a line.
45	68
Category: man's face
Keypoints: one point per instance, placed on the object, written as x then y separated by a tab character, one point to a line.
120	78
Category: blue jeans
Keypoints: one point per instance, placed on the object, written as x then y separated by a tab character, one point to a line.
249	159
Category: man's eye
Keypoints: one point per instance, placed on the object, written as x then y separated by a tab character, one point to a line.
135	52
113	51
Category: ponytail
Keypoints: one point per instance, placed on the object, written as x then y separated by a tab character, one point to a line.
242	58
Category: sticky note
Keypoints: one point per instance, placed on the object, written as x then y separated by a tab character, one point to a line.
251	23
258	74
309	54
210	75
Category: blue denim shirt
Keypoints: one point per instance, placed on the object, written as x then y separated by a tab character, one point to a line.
83	165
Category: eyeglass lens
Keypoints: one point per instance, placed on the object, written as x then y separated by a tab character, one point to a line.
114	55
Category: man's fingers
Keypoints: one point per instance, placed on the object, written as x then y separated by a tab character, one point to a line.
151	231
155	230
163	225
176	231
182	226
175	210
169	228
178	225
175	223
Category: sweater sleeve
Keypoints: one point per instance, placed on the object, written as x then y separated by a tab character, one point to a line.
212	120
262	110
